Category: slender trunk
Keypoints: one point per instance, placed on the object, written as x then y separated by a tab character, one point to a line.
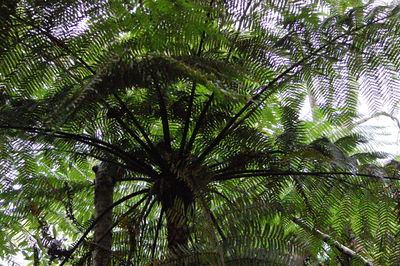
177	230
176	199
103	198
36	260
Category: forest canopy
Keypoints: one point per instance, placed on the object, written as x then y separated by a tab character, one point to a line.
169	132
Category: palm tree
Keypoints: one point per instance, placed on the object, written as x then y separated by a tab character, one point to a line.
191	108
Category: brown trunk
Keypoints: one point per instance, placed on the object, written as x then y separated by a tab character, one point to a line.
177	230
103	198
176	198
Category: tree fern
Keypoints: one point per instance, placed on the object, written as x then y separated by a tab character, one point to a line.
195	104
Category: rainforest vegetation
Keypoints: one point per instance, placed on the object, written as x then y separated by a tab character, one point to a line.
168	132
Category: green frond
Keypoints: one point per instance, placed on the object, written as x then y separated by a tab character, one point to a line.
194	106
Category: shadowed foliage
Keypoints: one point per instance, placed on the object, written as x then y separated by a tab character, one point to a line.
188	112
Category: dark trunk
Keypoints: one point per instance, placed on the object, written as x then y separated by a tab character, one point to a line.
177	230
177	199
103	198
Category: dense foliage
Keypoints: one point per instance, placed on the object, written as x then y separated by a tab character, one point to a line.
192	108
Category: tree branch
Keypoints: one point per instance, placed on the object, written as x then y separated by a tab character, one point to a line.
251	173
158	227
95	221
192	93
87	66
125	214
84	154
199	124
210	216
143	216
262	89
138	126
164	117
300	188
222	196
128	129
330	241
187	120
86	139
395	119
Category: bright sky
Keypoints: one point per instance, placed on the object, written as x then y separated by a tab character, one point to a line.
383	132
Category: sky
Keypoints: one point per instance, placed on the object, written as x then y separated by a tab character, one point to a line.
383	132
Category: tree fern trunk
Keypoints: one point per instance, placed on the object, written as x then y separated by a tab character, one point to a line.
103	198
177	230
177	200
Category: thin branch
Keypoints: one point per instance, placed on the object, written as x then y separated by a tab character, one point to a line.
146	169
227	58
142	217
133	134
222	196
215	223
331	241
83	154
229	160
164	117
128	129
55	41
187	120
117	222
192	92
251	173
159	224
300	188
199	123
78	137
138	126
239	29
125	214
211	219
95	221
228	128
62	45
145	217
361	121
65	47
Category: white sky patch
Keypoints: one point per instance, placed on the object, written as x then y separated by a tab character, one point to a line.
383	132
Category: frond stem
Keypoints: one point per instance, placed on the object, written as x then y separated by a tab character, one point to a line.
250	173
159	224
222	196
125	214
228	128
300	188
143	215
139	127
98	218
89	141
199	123
85	154
164	117
187	120
128	129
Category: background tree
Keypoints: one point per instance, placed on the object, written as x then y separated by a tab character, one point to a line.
191	108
